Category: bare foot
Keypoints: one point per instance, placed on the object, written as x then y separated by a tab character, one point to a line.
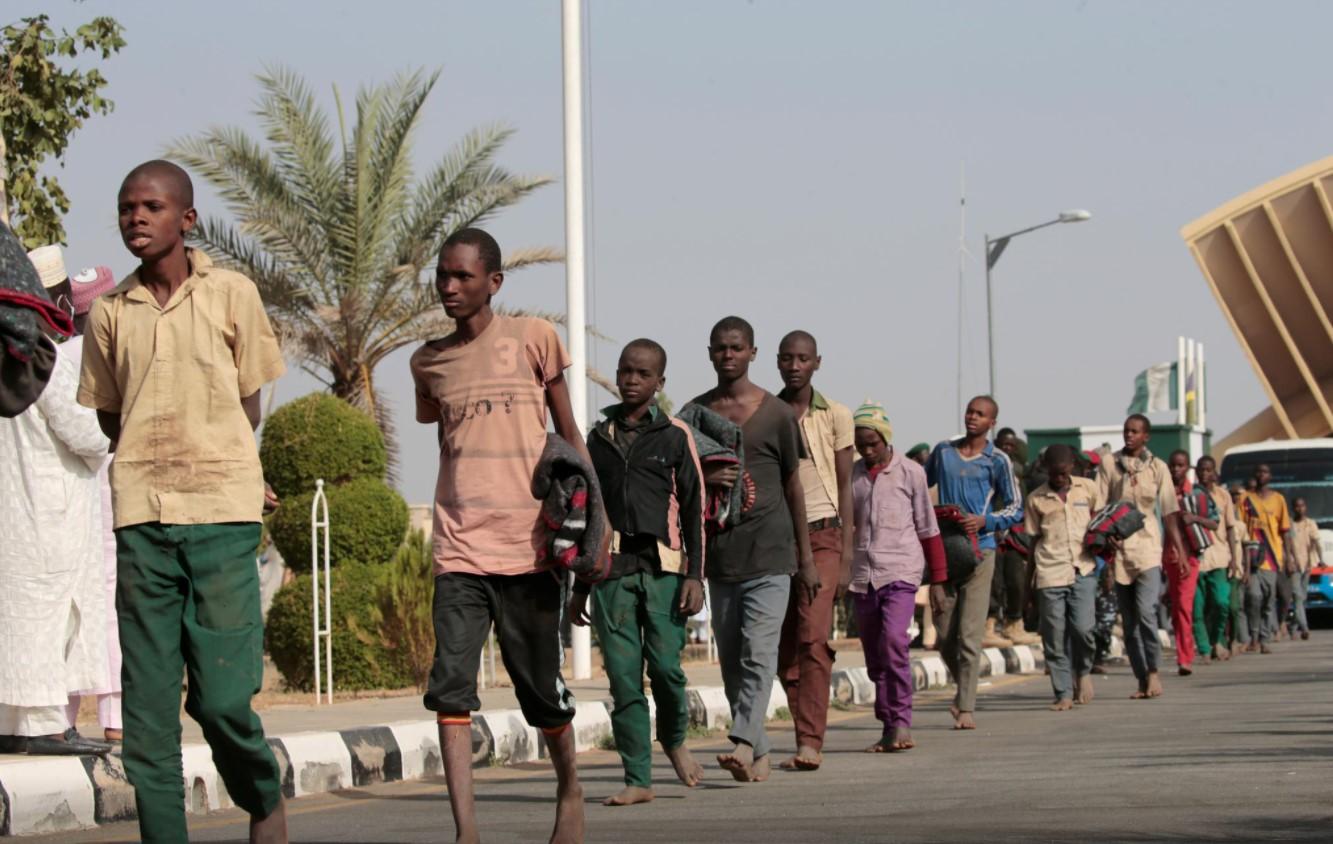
762	769
1084	693
270	830
629	795
1264	649
690	772
1221	654
568	816
739	762
962	720
807	758
1154	688
900	738
1064	704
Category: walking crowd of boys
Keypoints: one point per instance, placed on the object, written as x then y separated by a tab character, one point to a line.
787	505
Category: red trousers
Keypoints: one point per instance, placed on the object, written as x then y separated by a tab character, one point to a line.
805	660
1180	589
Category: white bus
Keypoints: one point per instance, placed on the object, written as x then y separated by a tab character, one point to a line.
1301	469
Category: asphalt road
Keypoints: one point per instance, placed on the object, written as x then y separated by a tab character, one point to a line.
1240	752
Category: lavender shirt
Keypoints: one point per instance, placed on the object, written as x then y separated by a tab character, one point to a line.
892	514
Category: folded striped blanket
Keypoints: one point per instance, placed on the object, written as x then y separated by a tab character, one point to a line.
572	511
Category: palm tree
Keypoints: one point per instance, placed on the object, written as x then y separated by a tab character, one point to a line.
336	231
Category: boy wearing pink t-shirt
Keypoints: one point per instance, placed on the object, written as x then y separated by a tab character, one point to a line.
488	388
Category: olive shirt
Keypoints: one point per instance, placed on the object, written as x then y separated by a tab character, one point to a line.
1305	544
1145	482
762	542
1221	554
176	375
1058	526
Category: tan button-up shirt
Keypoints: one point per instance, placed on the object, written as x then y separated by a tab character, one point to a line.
1145	482
1221	554
827	429
176	375
1305	547
1058	527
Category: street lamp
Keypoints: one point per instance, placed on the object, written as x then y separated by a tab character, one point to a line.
994	249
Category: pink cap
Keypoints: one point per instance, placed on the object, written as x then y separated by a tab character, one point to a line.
87	285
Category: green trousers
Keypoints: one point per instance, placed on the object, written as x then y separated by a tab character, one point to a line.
638	626
187	597
1212	609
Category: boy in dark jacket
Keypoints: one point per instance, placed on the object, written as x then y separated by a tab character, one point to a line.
649	471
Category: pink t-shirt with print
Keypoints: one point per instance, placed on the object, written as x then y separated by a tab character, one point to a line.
490	396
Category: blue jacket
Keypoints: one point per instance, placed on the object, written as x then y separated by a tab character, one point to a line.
984	485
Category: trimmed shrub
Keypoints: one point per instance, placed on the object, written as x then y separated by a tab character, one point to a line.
367	522
402	614
319	436
359	661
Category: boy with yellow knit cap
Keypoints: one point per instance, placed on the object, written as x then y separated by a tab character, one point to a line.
896	538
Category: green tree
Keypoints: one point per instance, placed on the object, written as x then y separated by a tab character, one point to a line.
41	106
337	230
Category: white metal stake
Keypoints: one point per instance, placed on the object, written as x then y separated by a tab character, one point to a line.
575	320
1200	387
319	521
1181	375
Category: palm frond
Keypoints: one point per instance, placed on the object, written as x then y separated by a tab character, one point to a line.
530	256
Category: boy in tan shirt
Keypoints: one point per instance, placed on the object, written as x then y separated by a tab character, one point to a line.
1056	516
1134	474
173	362
1306	550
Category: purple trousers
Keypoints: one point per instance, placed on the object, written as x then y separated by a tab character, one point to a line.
884	616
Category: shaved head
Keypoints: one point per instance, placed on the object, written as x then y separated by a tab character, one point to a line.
797	336
172	176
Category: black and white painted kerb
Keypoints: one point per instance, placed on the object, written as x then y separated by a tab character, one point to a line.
53	794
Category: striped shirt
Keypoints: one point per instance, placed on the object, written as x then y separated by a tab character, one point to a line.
980	485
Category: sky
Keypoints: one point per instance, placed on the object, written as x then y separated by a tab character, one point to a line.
798	164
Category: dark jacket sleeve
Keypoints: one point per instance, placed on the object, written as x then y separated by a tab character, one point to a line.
690	496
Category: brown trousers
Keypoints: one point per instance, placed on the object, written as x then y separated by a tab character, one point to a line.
805	660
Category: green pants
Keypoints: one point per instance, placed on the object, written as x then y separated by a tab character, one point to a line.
187	597
638	625
1240	625
1212	608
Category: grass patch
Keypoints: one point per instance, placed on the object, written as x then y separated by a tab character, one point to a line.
781	714
841	705
607	742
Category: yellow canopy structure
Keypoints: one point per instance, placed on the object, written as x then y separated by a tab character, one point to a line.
1268	257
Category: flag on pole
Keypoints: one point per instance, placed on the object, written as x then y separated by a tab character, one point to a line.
1155	389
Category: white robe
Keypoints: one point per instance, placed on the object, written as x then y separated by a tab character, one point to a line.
52	575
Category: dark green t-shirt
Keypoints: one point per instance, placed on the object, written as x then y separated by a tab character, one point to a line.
762	542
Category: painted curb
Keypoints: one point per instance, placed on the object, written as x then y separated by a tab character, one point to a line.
61	794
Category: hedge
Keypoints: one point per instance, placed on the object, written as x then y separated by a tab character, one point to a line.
367	522
360	661
319	436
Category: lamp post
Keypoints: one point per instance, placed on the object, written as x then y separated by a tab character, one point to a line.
994	249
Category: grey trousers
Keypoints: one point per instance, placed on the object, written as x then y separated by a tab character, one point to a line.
961	625
747	624
1067	618
1300	587
1261	605
1138	611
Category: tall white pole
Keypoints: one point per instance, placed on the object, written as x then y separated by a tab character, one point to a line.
575	289
1201	387
1181	375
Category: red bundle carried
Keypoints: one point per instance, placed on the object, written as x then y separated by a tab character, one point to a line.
961	551
1117	520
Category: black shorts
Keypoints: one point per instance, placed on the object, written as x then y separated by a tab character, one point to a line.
526	611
